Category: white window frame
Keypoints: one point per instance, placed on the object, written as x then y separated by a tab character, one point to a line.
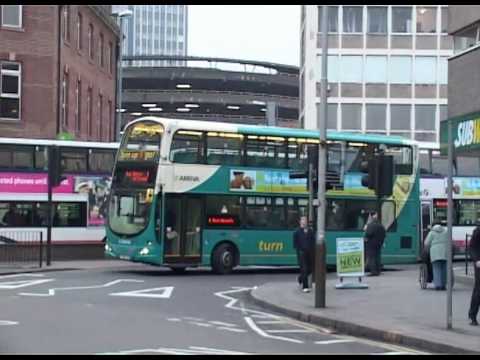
368	32
20	17
363	20
436	8
18	74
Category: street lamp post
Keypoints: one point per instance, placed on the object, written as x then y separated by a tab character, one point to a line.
320	246
118	123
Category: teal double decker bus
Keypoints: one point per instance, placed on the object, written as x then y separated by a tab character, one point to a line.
193	193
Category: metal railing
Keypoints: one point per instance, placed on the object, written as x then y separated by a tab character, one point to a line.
21	247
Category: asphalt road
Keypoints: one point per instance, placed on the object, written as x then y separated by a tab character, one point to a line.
145	310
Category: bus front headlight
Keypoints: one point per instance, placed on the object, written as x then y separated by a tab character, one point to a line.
144	251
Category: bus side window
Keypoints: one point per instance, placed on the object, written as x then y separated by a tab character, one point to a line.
266	151
187	147
224	149
74	160
100	160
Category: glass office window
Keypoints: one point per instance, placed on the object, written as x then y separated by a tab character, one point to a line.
443	70
332	19
425	70
352	19
425	117
332	68
351	116
465	38
444	20
376	69
443	112
332	116
399	117
377	20
401	19
426	19
400	70
351	69
376	116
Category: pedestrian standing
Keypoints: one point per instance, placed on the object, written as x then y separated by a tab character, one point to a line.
374	238
475	255
304	242
437	244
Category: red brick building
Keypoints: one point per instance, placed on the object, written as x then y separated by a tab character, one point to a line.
58	66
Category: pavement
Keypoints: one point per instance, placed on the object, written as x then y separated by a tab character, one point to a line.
393	309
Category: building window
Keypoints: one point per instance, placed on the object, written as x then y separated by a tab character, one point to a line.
401	19
332	19
400	70
12	15
100	51
351	116
444	20
376	115
466	38
443	112
100	116
351	69
425	117
426	19
352	19
90	41
65	99
377	20
89	111
443	70
376	69
66	23
110	120
78	110
79	31
332	110
425	70
400	117
10	90
110	57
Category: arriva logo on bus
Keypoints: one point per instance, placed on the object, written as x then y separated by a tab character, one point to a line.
468	133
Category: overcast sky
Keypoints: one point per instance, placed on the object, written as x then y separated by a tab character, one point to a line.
250	32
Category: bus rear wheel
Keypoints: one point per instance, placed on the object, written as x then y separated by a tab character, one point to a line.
223	259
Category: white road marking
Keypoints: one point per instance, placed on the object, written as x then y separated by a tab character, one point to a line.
192	350
232	329
200	324
9	285
174	319
336	341
392	353
192	318
259	331
221	323
165	293
7	322
21	275
265	322
51	292
289	331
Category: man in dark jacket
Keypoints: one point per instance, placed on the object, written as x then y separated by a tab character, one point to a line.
374	238
475	255
304	243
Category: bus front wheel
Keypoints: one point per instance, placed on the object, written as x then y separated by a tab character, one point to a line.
223	260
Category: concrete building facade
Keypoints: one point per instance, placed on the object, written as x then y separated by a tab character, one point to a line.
387	68
58	71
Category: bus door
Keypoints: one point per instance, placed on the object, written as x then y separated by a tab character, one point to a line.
183	232
426	219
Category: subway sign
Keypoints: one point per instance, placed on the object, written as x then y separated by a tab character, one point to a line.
465	134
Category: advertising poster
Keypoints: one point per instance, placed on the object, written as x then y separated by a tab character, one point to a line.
266	181
350	260
97	189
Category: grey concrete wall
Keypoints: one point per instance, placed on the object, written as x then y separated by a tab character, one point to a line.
464	84
401	91
402	42
460	16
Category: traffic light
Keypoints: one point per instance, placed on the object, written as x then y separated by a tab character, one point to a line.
380	174
55	169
